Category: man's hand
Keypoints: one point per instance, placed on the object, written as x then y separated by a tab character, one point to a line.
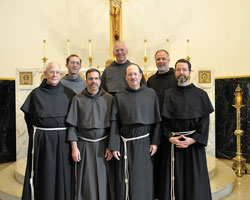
182	141
108	155
153	149
75	152
188	140
116	154
76	155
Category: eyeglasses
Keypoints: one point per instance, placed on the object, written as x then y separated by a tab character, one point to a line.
93	78
182	69
74	63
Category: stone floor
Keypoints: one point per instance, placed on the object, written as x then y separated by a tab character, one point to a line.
242	185
241	188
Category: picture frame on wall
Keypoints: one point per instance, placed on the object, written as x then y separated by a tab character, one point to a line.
204	77
25	78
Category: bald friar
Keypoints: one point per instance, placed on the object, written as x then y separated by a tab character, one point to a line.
134	136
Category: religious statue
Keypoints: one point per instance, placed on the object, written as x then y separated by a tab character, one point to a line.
115	8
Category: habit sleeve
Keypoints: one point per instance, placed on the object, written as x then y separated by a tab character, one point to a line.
167	133
114	137
155	133
201	125
72	134
201	134
103	80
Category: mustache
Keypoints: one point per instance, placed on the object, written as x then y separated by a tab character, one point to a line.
182	79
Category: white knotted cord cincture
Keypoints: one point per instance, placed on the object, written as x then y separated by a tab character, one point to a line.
185	133
32	164
125	140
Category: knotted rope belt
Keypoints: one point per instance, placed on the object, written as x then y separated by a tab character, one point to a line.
91	140
32	169
88	140
125	140
185	133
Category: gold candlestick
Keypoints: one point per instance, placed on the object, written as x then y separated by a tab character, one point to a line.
90	61
145	67
239	165
188	58
90	48
44	55
68	47
167	45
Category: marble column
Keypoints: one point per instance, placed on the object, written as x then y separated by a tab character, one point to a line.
7	121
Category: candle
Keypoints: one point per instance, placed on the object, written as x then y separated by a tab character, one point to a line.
68	47
145	48
187	47
238	99
89	48
44	48
167	45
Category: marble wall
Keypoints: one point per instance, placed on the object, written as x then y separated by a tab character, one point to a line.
22	92
226	117
210	89
7	121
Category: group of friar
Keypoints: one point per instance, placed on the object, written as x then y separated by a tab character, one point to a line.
115	136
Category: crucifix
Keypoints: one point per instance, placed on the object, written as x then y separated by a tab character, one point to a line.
115	23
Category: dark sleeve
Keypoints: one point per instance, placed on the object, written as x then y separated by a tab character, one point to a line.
72	117
114	136
29	124
149	82
155	133
201	134
72	136
143	80
26	185
167	133
103	81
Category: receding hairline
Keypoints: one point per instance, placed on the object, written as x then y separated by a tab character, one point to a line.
133	64
53	63
119	42
161	50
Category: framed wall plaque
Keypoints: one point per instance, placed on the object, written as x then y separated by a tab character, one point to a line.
204	76
26	78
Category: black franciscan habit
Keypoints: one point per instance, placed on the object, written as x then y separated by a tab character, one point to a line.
161	82
47	107
186	108
89	117
77	85
135	113
113	77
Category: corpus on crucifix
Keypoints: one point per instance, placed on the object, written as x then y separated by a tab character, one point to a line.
115	14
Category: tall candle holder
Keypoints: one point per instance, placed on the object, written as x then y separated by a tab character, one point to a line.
145	67
90	53
68	47
167	45
44	55
90	61
188	58
44	61
239	165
